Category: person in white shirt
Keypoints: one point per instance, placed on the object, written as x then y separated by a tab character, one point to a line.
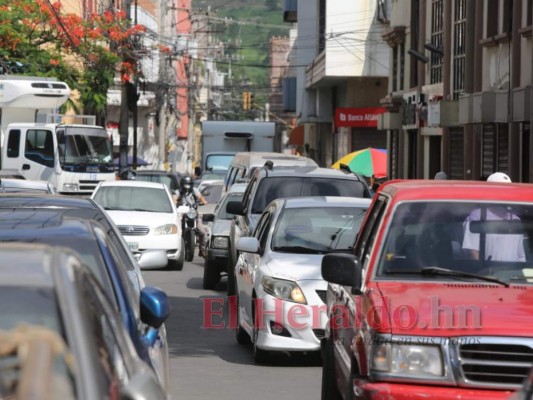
498	247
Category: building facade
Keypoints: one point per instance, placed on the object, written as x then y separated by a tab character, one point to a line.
342	71
460	89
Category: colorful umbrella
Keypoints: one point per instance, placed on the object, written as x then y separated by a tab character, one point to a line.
366	162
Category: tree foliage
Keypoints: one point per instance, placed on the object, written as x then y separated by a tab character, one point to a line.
37	38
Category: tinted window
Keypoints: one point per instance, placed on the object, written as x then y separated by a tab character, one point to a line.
278	187
13	143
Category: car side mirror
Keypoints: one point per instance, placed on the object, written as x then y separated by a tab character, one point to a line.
155	307
235	208
343	269
142	385
248	245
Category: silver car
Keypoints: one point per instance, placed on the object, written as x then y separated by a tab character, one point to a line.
60	334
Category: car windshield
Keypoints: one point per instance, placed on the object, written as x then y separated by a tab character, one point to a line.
490	240
132	198
29	305
317	229
218	161
278	187
88	146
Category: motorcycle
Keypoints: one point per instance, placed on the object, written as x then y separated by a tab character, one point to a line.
189	216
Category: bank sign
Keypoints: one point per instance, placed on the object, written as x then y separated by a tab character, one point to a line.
358	117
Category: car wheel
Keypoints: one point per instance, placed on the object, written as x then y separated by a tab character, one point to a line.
177	265
231	282
329	382
260	356
211	275
240	334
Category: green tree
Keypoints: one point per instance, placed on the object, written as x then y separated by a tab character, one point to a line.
37	38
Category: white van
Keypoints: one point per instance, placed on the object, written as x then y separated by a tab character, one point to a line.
244	164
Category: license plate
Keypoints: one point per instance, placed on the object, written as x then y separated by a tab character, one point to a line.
134	246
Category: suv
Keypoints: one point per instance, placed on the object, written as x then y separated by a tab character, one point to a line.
270	182
433	301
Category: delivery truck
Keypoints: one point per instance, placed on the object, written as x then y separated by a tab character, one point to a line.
222	139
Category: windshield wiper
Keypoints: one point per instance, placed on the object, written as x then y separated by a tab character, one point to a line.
432	271
297	249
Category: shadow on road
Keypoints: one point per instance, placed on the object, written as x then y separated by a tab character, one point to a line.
199	327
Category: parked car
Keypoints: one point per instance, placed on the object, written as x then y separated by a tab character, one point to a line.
245	163
171	179
434	297
146	215
14	185
278	271
76	345
271	182
87	209
217	251
98	252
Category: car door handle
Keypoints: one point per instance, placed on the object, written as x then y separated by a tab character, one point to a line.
25	166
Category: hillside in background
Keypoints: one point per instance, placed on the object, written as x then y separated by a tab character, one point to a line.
245	28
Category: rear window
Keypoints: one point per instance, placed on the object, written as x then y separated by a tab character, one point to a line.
278	187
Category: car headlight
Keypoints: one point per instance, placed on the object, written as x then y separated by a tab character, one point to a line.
283	289
70	187
169	229
220	242
419	361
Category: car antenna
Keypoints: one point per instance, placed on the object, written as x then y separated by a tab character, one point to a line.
346	169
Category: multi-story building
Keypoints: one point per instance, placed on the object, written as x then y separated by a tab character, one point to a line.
342	69
460	88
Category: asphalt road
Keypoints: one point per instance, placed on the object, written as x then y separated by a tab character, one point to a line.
208	363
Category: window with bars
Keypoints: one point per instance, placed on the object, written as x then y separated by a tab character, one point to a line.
492	18
322	26
495	149
459	43
437	24
415	22
457	161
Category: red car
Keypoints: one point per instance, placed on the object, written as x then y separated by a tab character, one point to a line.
437	299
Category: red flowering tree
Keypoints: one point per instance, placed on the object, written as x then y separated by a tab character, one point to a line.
38	38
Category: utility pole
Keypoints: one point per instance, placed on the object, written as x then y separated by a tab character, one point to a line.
123	125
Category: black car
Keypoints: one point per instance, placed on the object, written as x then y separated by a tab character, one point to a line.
77	348
171	179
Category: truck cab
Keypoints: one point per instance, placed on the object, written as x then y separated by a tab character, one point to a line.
73	157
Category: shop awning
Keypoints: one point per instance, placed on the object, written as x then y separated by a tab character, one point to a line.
297	136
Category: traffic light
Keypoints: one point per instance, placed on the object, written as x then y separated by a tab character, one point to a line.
246	101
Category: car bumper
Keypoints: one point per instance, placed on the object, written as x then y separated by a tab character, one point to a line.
304	323
170	243
398	391
218	255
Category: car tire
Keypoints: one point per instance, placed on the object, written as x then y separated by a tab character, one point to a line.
260	356
329	382
177	265
190	246
211	275
240	334
231	282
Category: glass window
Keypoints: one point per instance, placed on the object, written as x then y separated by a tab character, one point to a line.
13	143
40	147
489	239
85	145
218	162
222	213
318	229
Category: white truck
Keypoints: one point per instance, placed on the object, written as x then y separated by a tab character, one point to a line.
37	143
222	139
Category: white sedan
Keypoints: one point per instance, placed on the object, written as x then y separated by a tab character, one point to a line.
146	215
280	289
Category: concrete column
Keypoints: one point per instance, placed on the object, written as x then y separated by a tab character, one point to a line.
421	82
515	152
